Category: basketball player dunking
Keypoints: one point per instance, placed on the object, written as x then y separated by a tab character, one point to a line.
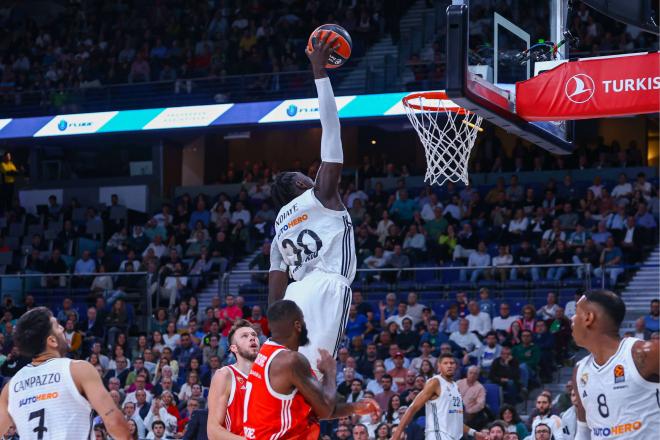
313	231
52	398
284	400
618	390
444	406
227	393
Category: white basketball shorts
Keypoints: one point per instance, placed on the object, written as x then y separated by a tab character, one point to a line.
325	300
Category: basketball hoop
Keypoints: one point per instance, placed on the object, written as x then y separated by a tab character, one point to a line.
448	133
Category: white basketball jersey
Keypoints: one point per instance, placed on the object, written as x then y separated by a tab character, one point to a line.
444	415
45	403
312	237
619	403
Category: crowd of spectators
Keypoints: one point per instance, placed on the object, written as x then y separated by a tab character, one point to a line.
88	44
391	341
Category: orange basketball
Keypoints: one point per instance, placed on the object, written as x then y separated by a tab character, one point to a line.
340	55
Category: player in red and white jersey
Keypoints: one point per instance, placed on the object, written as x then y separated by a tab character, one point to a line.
284	399
229	384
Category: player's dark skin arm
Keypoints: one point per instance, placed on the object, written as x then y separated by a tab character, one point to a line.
326	185
277	282
291	370
579	408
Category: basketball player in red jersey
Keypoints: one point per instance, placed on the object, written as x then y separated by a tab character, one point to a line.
227	393
284	399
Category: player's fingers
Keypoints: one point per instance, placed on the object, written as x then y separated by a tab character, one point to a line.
326	37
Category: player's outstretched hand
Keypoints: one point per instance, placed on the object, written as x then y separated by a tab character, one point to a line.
326	364
366	406
323	47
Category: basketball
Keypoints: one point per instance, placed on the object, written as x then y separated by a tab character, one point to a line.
340	55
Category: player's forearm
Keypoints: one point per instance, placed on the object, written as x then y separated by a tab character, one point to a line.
277	283
217	432
116	425
331	148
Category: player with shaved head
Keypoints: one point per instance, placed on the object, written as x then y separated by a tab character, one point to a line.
617	383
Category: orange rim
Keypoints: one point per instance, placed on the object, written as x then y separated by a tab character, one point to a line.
431	95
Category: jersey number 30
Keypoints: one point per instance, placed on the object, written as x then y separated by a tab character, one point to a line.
41	427
302	246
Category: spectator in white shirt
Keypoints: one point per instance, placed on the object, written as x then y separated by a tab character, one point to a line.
240	213
353	195
465	339
642	185
375	261
164	217
158	247
623	188
477	259
502	323
555	233
428	210
548	311
597	187
415	241
479	321
504	258
453	208
399	317
518	224
414	309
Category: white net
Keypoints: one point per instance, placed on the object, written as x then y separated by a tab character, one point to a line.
447	135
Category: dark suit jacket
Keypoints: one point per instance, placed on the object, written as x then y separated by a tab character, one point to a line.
96	330
144	411
113	373
196	428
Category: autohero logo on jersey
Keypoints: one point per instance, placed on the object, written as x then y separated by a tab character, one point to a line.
38	398
623	428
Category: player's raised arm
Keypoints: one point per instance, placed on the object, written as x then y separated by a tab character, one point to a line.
89	383
326	186
218	401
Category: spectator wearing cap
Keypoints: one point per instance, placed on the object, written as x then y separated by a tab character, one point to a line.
393	351
399	372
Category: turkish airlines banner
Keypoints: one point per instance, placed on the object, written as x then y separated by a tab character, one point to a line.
592	88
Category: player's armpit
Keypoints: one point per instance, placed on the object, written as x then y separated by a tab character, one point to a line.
89	383
299	373
646	355
5	418
326	185
218	400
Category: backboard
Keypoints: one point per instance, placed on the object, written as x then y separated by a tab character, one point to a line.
486	44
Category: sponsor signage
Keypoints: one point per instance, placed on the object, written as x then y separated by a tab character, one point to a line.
186	117
300	109
592	88
67	125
